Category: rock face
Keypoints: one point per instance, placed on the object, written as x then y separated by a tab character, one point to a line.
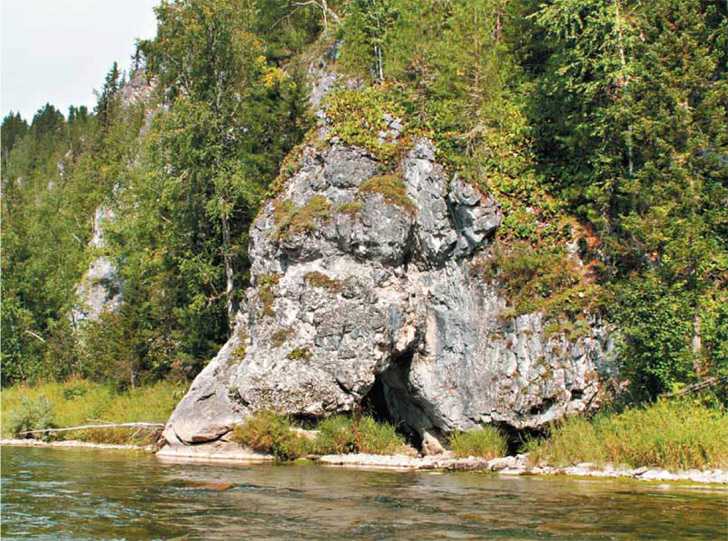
100	288
366	289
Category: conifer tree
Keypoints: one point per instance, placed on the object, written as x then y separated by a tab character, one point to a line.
106	98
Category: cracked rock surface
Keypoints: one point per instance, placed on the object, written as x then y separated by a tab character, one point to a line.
352	287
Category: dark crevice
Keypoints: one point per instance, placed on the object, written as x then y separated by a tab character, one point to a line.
409	253
516	438
374	402
544	406
344	389
392	400
306	421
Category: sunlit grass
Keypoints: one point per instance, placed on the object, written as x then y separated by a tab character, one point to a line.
678	435
81	402
274	434
486	442
340	434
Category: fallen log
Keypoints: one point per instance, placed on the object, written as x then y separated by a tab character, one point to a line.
87	427
699	386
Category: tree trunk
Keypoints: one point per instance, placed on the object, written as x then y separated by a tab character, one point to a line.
697	347
87	427
232	304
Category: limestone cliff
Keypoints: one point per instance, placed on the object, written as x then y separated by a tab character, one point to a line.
366	288
100	288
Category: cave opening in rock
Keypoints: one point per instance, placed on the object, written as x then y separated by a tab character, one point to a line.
391	400
374	403
517	437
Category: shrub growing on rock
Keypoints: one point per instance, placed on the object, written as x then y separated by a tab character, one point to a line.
392	190
292	220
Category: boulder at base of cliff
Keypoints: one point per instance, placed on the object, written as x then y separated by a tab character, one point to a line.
365	289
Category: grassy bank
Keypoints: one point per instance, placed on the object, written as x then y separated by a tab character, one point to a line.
678	435
487	442
674	435
82	402
269	433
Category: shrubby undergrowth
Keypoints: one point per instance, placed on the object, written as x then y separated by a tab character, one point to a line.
266	432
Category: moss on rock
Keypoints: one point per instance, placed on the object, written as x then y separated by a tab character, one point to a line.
392	190
317	279
292	220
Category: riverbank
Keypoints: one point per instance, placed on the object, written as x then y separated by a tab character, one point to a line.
508	465
664	441
13	442
80	402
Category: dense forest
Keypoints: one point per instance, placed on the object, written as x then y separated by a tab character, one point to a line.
603	121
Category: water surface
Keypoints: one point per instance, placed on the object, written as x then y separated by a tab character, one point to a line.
93	494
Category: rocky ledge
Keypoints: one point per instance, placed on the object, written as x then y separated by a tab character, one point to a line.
367	289
518	465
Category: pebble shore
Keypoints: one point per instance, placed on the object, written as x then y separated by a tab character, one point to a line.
509	465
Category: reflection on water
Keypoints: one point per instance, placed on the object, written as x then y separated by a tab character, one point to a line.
77	494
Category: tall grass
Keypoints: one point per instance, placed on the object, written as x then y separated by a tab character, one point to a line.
676	435
81	402
340	434
486	442
269	433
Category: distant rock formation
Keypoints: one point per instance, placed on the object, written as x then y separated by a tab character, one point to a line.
100	288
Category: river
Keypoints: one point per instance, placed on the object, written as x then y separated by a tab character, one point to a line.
93	494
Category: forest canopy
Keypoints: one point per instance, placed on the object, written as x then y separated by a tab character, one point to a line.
604	121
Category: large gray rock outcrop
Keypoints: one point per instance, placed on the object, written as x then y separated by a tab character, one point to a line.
357	291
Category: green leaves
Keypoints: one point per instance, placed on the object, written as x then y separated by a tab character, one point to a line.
206	163
603	121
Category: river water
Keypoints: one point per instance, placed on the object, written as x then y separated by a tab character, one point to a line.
92	494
